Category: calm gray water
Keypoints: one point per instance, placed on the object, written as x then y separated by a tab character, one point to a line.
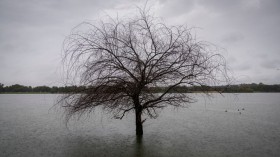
30	127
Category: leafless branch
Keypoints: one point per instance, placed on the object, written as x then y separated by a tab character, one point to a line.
117	61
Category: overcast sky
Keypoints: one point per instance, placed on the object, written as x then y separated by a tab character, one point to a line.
32	33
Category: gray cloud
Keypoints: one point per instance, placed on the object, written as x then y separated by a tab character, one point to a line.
172	8
271	64
32	33
232	38
243	67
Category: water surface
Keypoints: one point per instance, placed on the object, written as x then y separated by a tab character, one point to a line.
30	126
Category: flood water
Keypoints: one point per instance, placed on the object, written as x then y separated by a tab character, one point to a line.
30	126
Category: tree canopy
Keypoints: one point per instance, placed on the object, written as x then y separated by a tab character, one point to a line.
120	60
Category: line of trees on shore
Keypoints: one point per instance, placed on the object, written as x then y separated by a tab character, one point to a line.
240	88
17	88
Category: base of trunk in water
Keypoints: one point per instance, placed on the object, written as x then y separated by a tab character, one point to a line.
139	129
139	126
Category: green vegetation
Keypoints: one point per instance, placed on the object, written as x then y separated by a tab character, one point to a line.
241	88
20	89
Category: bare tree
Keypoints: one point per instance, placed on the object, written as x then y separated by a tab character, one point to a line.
120	60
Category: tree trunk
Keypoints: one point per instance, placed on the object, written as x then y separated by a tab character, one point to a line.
139	126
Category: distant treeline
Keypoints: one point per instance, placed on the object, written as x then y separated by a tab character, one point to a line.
241	88
38	89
